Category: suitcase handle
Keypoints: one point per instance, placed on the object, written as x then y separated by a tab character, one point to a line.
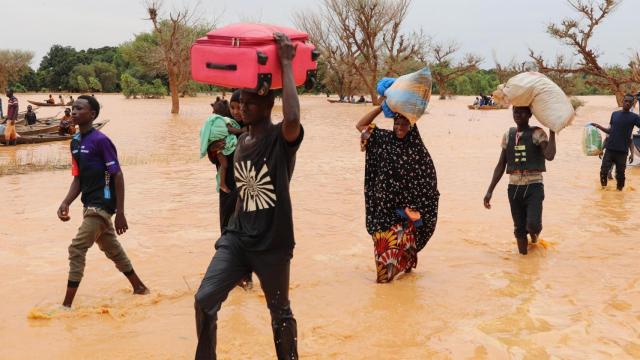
227	67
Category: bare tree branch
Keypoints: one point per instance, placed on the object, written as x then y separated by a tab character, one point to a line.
362	39
576	34
175	34
443	67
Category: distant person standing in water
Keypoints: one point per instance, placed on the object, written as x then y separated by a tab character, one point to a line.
619	142
97	176
1	113
525	150
10	135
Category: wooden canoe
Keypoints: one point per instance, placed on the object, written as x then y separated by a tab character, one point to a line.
37	129
487	107
20	116
39	103
43	138
44	121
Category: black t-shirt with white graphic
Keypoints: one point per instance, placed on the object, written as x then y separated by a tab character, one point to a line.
263	169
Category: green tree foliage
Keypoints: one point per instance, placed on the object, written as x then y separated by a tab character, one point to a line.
107	74
155	90
82	83
80	71
94	84
28	80
475	83
57	65
130	86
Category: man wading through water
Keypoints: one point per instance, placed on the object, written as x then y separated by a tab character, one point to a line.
259	237
524	151
619	142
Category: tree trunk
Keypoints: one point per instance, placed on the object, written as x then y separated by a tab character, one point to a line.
371	86
175	95
619	96
442	89
375	100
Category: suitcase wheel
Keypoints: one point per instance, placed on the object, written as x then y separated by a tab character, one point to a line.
315	54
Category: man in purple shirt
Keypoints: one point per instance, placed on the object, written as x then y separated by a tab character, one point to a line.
97	176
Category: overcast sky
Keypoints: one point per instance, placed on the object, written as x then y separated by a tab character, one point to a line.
507	27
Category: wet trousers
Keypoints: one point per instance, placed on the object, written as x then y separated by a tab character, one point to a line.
619	158
526	211
96	228
229	265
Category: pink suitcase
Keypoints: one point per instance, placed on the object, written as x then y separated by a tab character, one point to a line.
245	56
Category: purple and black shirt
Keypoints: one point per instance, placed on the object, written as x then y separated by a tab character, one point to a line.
95	162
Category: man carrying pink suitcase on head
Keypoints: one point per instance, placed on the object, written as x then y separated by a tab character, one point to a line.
259	237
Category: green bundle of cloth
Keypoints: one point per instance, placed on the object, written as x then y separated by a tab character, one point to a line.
214	129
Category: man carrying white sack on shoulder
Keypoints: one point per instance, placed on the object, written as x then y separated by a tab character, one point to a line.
525	150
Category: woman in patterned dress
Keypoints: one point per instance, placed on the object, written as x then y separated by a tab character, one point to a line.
401	193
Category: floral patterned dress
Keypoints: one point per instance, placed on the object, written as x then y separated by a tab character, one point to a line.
399	174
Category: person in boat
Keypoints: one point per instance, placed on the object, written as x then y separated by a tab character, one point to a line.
476	102
50	100
10	134
70	101
66	124
98	178
30	116
1	112
61	100
525	150
401	197
362	100
259	236
619	142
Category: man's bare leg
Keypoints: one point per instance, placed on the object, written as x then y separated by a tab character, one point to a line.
138	287
70	294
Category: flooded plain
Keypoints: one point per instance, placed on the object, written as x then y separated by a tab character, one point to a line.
471	297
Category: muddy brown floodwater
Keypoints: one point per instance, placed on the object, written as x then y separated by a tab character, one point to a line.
471	297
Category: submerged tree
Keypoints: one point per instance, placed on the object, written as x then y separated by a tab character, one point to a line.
173	38
362	39
13	63
444	69
577	33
